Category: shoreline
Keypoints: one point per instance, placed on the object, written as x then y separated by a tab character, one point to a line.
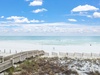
11	47
50	48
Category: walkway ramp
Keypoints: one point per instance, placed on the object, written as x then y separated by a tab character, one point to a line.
9	61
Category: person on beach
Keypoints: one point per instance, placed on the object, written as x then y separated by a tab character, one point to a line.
53	48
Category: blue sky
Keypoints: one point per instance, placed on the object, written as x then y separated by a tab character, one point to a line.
50	17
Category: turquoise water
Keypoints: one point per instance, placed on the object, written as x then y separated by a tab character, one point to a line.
54	40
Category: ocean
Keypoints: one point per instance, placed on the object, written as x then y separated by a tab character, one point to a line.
50	43
54	40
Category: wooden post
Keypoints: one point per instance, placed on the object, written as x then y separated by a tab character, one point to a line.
16	51
21	50
74	54
91	55
46	54
12	61
2	59
82	55
67	54
10	51
33	54
99	54
4	51
27	54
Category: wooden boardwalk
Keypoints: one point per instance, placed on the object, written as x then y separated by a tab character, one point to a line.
9	61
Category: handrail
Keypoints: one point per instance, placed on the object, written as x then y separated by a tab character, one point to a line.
19	57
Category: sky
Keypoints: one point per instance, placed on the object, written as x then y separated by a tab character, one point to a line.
50	17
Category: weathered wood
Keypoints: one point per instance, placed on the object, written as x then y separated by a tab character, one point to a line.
19	57
74	55
1	59
5	65
54	54
62	54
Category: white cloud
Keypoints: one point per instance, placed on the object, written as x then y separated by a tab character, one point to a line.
83	13
36	3
36	21
72	20
46	28
21	19
2	17
96	14
18	19
86	7
39	10
52	28
15	17
89	16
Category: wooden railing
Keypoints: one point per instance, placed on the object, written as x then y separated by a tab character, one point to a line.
73	55
9	61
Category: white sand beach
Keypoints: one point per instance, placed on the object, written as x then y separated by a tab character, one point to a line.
10	47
